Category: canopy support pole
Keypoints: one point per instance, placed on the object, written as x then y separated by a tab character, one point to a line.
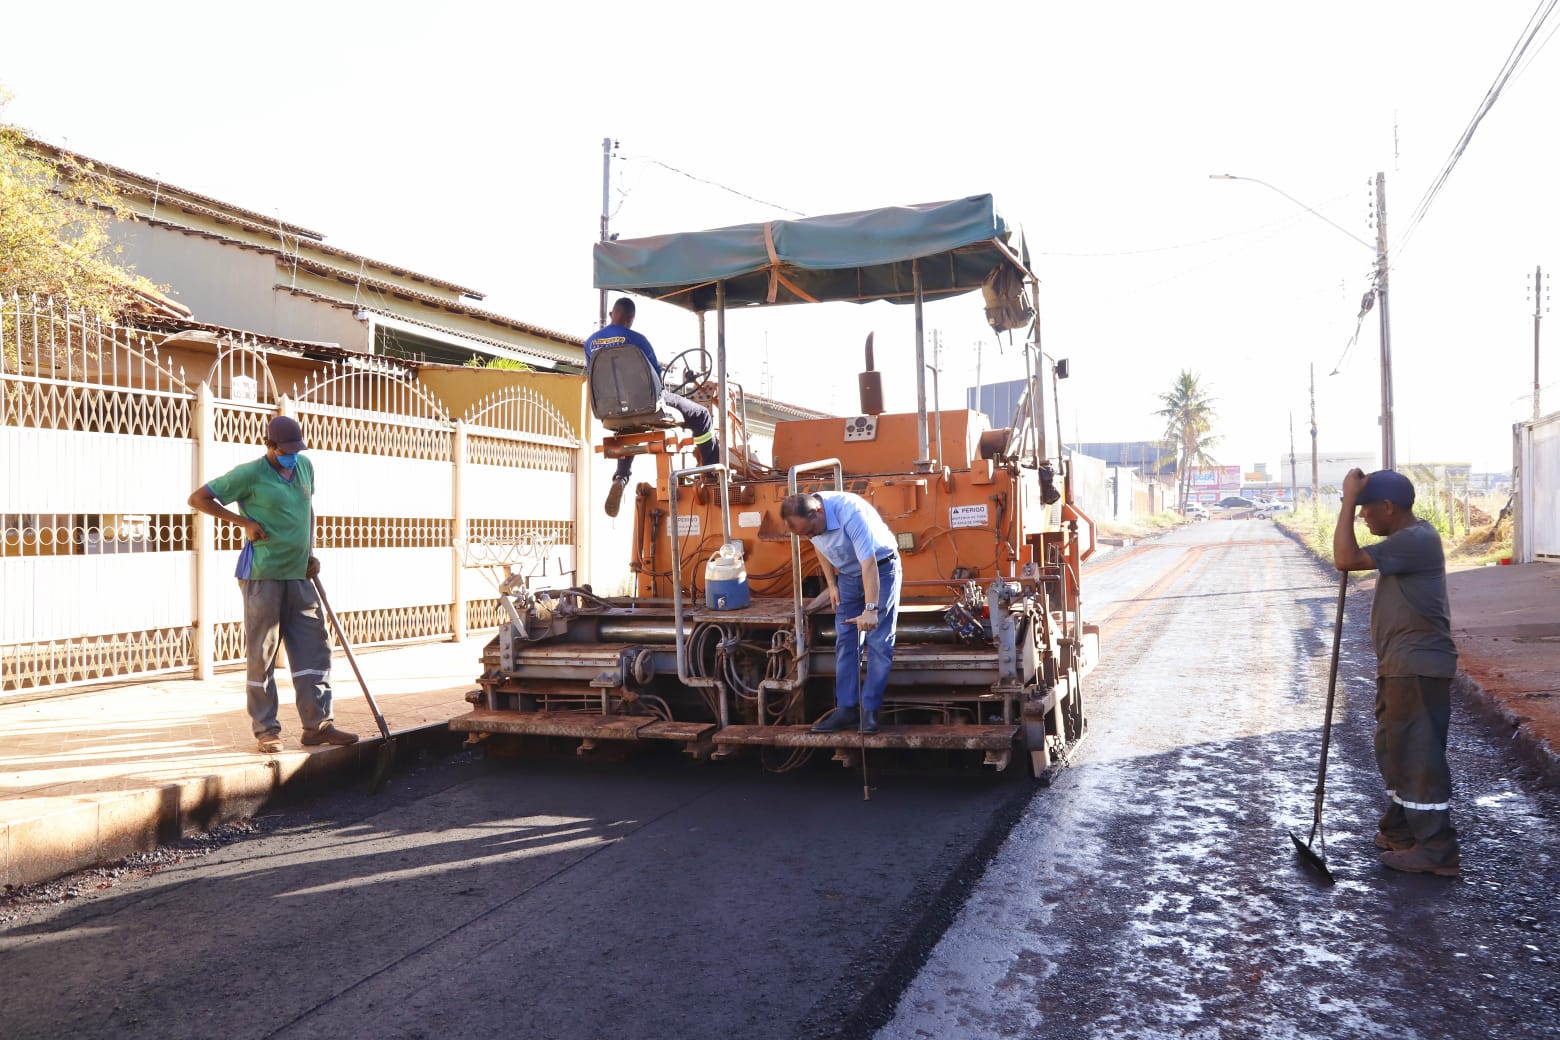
923	461
720	378
1036	387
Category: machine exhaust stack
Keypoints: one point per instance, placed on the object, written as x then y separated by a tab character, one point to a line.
871	385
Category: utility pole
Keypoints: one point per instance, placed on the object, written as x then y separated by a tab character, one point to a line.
1316	488
606	193
1294	488
1538	316
1388	451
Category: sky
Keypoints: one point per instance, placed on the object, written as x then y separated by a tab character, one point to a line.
463	140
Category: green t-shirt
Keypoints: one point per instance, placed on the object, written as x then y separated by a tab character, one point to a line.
284	508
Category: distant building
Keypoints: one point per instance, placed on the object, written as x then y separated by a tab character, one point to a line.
998	401
1149	458
1331	469
1488	483
239	269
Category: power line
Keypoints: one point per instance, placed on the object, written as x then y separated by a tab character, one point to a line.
1534	56
1185	245
715	184
1535	22
1366	302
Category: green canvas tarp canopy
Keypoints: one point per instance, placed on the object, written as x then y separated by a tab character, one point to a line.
856	257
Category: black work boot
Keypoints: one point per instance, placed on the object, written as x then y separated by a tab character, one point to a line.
1394	842
838	720
869	723
615	496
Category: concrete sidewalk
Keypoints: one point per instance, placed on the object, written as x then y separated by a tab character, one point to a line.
1506	621
91	777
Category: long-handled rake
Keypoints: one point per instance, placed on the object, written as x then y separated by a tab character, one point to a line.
861	687
386	757
1309	855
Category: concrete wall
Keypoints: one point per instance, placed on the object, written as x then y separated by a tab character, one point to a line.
227	284
1091	486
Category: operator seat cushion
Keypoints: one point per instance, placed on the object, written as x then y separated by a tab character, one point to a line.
625	391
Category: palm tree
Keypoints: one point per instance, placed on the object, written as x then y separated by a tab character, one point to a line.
1188	415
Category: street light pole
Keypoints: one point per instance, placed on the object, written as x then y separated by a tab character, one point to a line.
1388	452
1538	316
1294	483
1315	484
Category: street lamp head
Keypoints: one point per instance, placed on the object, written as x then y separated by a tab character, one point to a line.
1291	198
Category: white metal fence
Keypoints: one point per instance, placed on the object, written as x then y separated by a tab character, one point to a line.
104	571
1538	491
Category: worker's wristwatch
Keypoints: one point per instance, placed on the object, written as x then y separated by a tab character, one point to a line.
870	606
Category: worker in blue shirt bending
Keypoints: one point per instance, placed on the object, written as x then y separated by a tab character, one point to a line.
695	416
859	556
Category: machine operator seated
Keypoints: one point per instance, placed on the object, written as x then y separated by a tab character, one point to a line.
694	416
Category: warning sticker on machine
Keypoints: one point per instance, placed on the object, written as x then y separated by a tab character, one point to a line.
967	516
750	519
688	526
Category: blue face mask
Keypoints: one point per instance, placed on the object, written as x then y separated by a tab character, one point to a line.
287	461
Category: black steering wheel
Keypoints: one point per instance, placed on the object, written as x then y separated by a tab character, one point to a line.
696	364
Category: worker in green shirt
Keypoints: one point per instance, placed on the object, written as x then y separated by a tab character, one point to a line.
275	494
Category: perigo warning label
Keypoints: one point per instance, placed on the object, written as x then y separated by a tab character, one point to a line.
967	516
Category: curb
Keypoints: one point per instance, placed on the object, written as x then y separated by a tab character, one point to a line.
1529	746
81	831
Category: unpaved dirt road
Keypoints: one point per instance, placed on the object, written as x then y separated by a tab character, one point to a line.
1151	892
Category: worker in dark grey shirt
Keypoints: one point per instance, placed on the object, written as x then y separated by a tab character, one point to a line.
1411	625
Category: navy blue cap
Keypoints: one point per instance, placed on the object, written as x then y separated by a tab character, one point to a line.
286	434
1384	485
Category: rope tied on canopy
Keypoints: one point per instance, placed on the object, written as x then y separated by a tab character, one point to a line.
776	277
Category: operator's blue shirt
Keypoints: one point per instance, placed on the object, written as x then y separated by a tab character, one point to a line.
612	335
853	531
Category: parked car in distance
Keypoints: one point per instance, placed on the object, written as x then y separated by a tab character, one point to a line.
1268	510
1196	511
1234	502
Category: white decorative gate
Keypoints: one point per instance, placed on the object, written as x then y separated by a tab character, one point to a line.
104	571
516	494
95	537
383	454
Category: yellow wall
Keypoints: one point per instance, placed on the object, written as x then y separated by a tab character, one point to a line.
460	388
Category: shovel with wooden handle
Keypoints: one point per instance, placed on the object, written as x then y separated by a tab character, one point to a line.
1308	854
386	757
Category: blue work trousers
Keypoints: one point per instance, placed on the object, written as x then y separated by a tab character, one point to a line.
848	691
